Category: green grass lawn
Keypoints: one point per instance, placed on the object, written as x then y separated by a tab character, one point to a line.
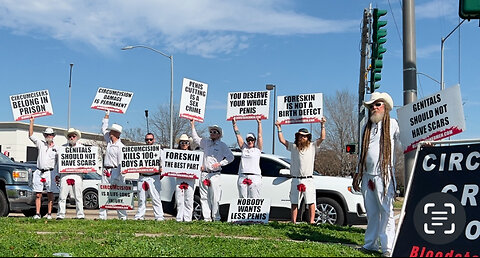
28	237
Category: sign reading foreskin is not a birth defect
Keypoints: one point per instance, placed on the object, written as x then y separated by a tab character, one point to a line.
303	108
194	99
32	104
113	100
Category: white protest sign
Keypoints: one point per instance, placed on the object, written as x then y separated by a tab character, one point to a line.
82	159
194	99
141	159
432	118
297	109
182	163
249	210
32	104
248	105
116	197
113	100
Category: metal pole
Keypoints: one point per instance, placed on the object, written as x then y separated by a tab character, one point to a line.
362	79
69	95
442	82
274	119
171	101
409	70
146	116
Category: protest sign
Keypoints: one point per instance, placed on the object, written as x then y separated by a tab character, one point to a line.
82	159
303	108
116	197
433	118
440	215
249	210
194	99
182	163
141	159
32	104
113	100
248	105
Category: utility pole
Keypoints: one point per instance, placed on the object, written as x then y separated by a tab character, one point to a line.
362	79
409	71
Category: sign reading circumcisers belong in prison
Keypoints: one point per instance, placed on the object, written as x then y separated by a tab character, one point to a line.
297	109
194	99
432	118
116	196
82	159
182	163
113	100
32	104
248	105
141	159
249	210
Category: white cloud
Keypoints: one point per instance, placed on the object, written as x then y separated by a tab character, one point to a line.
428	51
200	27
436	9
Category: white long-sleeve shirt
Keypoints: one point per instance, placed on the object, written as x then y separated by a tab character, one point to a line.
214	151
113	153
47	155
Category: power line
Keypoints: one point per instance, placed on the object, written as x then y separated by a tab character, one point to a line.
395	21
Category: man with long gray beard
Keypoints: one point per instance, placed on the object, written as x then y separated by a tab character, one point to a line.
376	172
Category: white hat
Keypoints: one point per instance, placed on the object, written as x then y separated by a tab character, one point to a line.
380	96
73	131
116	128
250	135
184	137
216	127
49	130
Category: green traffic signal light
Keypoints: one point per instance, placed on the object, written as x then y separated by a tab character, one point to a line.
378	39
469	9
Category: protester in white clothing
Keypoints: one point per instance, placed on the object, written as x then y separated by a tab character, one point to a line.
185	187
216	155
303	152
376	172
249	173
46	162
149	183
71	181
112	161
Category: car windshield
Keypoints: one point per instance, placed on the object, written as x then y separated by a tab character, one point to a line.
5	159
286	160
93	176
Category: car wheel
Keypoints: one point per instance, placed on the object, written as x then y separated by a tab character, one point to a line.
90	200
329	211
3	205
197	208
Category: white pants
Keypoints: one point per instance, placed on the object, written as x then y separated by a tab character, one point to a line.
309	194
210	196
152	185
381	224
252	190
48	182
77	188
115	178
184	199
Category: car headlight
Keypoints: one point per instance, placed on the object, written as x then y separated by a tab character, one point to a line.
20	175
350	189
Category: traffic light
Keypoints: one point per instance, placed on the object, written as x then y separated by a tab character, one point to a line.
350	148
469	9
378	39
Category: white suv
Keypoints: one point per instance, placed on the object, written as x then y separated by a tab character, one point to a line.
337	202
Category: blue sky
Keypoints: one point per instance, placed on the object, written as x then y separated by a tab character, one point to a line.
303	46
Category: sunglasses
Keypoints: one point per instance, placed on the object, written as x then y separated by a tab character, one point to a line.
72	136
148	139
184	142
214	132
250	140
378	104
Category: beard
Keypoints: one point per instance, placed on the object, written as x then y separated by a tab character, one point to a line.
72	142
48	140
376	117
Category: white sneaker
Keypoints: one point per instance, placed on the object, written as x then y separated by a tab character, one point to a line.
139	218
159	219
36	216
49	216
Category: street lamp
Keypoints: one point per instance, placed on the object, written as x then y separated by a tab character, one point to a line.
171	84
146	117
442	82
69	95
274	88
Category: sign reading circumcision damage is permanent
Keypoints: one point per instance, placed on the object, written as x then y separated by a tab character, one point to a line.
248	105
432	118
82	159
113	100
297	109
182	163
32	104
141	159
194	99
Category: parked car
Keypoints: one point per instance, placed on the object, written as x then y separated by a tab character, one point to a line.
337	202
16	193
91	182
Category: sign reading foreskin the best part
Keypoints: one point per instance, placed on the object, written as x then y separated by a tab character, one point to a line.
194	99
432	118
182	163
82	159
32	104
248	105
141	159
113	100
297	109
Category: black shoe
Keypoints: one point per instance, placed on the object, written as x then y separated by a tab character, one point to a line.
58	218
